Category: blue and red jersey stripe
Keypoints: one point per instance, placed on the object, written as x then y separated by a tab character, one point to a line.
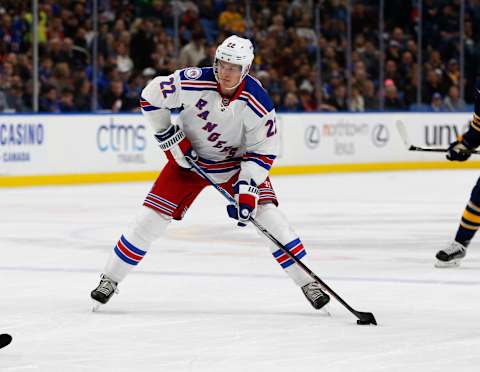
147	106
224	166
265	161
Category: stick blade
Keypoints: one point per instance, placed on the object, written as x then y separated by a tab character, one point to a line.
366	318
402	131
5	340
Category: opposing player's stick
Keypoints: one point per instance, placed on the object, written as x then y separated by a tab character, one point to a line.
363	317
402	131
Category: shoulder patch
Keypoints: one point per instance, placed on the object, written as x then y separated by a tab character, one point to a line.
193	73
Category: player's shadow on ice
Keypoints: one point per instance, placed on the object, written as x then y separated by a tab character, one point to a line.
218	312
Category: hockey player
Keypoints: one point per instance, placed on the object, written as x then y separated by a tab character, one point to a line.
461	150
228	127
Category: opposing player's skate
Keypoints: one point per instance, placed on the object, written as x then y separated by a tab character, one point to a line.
451	256
315	295
104	291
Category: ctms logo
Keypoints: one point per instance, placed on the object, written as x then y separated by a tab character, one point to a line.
121	138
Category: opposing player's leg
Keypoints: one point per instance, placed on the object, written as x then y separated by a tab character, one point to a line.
469	224
170	197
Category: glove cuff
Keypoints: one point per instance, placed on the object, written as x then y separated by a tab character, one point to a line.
170	137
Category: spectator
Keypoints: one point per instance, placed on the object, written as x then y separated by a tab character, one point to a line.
452	101
392	101
65	103
207	61
392	73
433	83
48	100
123	60
83	95
3	102
290	103
339	98
305	31
230	19
357	104
142	44
116	100
194	52
436	103
307	103
61	78
370	99
45	70
14	97
453	73
135	35
393	51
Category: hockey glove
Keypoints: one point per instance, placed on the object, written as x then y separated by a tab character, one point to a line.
459	150
176	145
246	195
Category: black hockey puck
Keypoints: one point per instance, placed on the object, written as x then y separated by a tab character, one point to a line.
362	322
5	339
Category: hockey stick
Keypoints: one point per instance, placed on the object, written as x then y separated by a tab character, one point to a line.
402	131
363	317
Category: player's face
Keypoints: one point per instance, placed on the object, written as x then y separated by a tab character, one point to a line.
228	74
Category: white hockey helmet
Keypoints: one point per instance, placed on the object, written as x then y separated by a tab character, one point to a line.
236	50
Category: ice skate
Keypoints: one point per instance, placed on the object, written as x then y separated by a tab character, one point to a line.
104	291
451	256
315	295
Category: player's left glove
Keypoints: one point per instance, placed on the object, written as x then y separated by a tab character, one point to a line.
459	150
246	195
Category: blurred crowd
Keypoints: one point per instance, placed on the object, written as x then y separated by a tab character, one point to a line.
136	42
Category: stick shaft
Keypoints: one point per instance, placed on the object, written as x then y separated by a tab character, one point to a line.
274	240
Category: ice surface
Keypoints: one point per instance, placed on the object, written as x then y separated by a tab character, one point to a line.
209	297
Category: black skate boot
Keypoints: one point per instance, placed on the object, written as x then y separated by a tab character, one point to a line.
103	292
451	256
315	295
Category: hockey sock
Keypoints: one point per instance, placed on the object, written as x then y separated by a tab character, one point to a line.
269	216
295	247
470	221
134	244
469	224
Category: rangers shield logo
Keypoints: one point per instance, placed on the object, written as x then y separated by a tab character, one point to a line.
193	73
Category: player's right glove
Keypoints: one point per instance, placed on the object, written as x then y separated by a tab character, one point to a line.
176	145
459	150
246	195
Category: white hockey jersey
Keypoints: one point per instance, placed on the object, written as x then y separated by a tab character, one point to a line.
228	134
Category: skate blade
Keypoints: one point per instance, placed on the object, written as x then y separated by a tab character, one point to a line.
95	306
445	265
326	310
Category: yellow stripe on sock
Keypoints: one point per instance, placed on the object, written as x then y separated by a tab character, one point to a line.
471	217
